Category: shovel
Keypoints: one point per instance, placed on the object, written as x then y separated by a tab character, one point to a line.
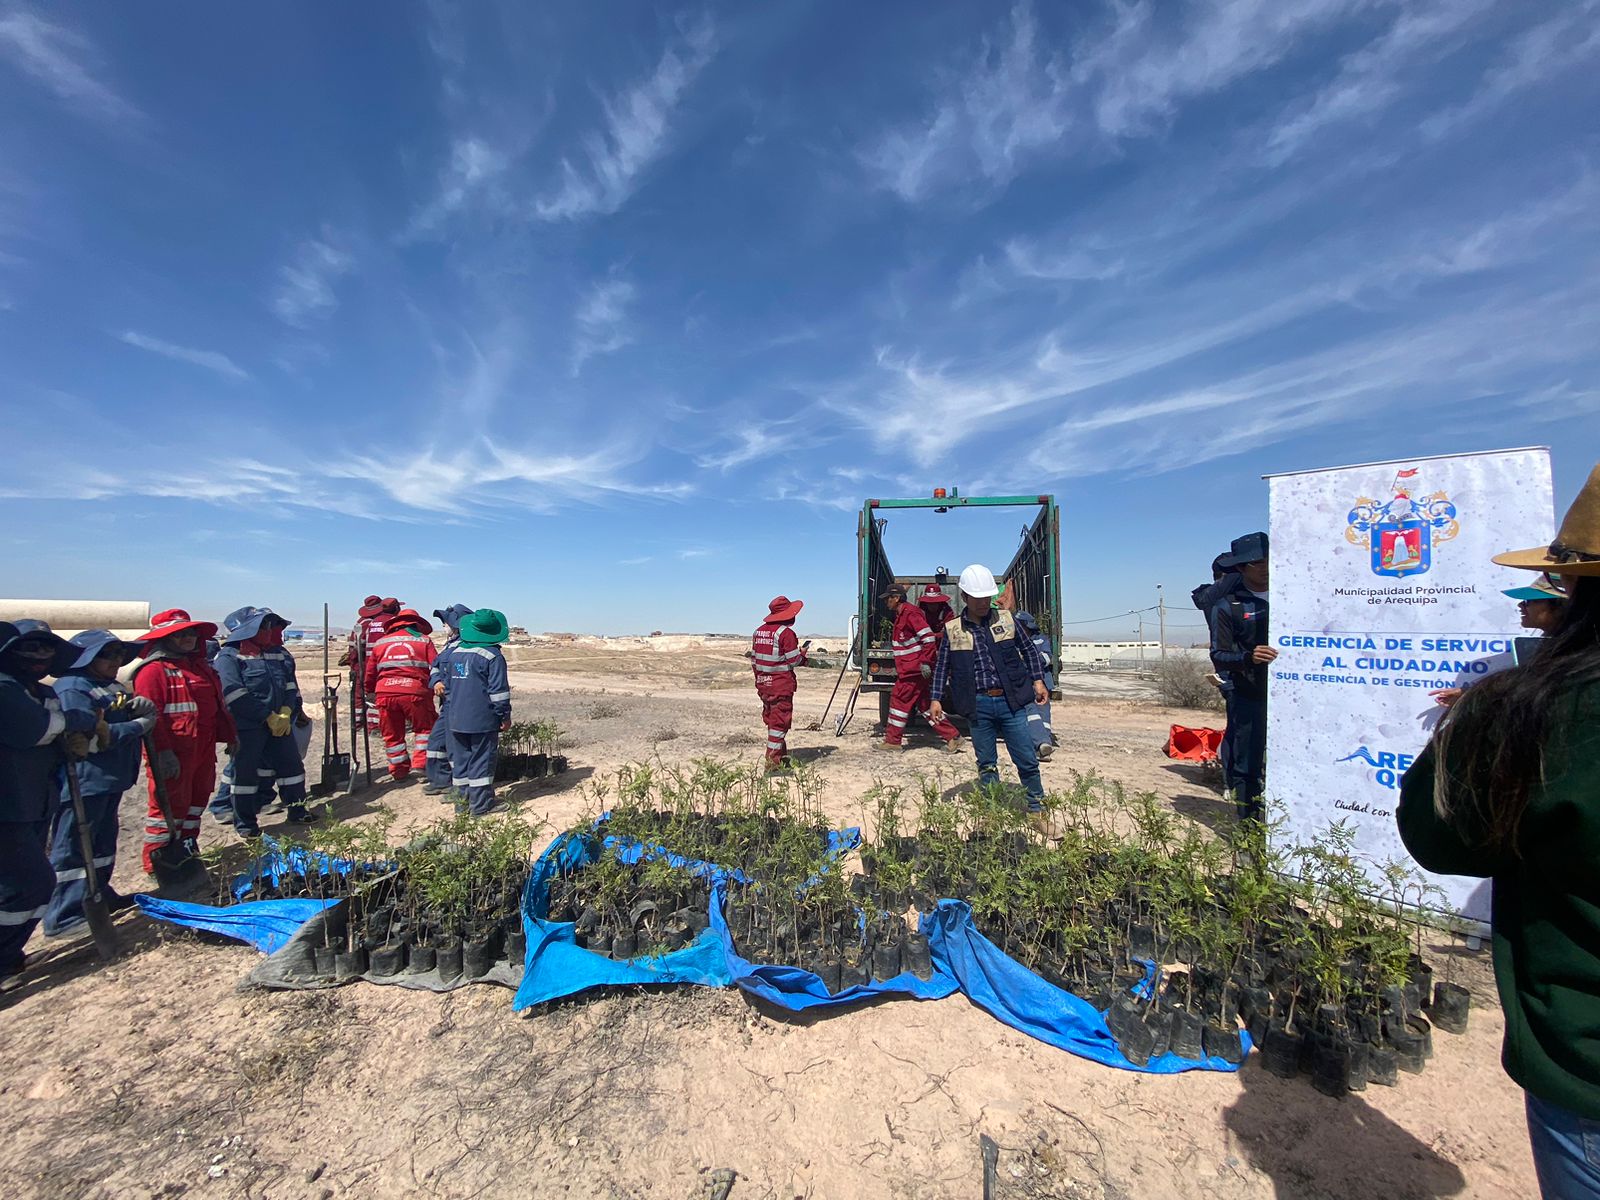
176	868
338	773
96	911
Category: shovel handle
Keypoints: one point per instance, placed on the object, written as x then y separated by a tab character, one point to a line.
160	786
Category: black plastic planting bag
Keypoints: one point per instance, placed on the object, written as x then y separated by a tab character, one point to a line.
1009	992
294	966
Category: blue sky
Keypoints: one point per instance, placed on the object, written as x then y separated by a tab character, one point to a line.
611	315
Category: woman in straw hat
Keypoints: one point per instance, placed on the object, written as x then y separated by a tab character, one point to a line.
1509	790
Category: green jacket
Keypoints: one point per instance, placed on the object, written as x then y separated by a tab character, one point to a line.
1546	909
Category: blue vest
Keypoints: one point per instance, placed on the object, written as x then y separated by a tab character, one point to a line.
961	685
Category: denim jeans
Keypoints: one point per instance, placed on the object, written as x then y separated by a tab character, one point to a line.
994	718
1566	1151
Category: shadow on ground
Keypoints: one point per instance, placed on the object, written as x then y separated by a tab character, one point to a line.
1341	1147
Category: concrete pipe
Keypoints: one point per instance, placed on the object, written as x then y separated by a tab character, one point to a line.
66	617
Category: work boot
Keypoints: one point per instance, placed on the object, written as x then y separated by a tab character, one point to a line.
222	816
297	815
953	746
1045	751
115	900
886	744
1039	822
434	789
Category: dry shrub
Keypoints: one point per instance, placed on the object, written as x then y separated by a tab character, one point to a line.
1181	682
601	709
664	735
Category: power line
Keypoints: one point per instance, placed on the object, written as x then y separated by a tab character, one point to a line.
1132	612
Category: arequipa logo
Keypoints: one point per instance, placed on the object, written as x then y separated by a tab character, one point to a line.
1387	766
1402	532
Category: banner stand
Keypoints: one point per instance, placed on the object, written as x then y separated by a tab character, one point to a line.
1383	593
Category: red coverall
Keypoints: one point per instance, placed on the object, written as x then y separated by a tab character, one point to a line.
192	720
776	652
914	644
363	636
397	680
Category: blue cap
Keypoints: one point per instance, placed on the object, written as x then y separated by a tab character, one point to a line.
1252	547
452	616
40	631
244	623
91	643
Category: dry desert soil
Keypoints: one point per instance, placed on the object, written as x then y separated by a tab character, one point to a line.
157	1075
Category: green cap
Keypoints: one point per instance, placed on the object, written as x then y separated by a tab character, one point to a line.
486	627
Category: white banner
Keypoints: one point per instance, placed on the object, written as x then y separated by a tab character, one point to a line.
1382	593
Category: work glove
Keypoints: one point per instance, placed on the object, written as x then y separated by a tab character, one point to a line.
138	706
143	724
278	722
166	765
77	745
927	671
102	734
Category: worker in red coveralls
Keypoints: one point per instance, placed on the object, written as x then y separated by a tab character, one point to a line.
397	680
935	606
191	719
776	653
915	649
354	653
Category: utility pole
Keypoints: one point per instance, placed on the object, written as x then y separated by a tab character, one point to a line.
1161	607
1140	636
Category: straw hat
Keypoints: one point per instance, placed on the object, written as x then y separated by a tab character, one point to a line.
1576	550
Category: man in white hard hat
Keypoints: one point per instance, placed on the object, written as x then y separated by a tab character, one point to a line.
989	671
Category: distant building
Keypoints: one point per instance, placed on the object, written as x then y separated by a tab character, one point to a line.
1089	654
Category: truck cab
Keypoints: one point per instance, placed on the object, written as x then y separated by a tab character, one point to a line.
1034	571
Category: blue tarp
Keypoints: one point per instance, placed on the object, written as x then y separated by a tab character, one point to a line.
557	966
1014	995
265	924
963	959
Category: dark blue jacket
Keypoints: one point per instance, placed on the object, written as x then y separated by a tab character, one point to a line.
31	718
1000	631
1238	625
441	671
478	691
111	771
254	686
1040	643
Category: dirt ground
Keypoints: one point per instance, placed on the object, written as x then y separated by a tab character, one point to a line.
158	1076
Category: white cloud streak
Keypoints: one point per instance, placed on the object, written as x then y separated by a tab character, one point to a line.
1018	102
636	132
211	360
1371	77
64	61
305	292
602	324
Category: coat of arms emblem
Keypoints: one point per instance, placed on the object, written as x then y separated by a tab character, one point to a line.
1401	533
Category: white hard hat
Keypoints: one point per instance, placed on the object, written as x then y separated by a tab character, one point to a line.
978	581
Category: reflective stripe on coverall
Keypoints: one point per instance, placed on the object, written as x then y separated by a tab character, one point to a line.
914	646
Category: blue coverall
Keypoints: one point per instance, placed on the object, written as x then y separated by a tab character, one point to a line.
480	703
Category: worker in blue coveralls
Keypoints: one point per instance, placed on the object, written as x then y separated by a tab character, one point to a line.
221	805
437	772
1205	598
1242	653
32	720
261	692
1044	738
90	686
479	707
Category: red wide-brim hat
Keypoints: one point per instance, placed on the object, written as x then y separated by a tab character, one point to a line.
408	616
784	609
933	595
175	620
